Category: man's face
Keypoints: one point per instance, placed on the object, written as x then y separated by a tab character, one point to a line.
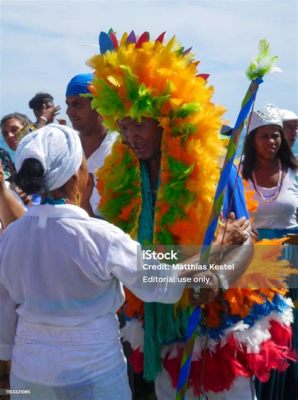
79	111
290	130
144	137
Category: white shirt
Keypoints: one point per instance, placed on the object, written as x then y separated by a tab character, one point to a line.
280	213
95	161
59	268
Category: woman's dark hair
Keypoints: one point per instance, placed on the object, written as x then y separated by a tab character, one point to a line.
284	153
37	102
30	177
24	120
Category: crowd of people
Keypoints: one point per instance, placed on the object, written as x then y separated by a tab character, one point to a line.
139	167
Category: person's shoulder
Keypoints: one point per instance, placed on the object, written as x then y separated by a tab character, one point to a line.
110	138
112	135
102	228
11	231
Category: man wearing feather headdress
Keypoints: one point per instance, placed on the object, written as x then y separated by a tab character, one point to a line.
158	185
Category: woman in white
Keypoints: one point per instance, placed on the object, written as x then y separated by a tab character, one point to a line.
60	274
271	170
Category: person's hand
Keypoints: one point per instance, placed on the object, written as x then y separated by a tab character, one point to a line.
254	234
4	374
26	198
61	121
204	286
236	233
206	292
48	114
292	239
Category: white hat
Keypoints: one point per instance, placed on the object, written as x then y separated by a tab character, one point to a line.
269	115
287	115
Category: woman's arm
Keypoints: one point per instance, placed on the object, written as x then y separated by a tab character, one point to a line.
10	208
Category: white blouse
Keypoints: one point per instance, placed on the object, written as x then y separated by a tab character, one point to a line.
281	213
61	268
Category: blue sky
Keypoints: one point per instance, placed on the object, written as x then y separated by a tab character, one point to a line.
42	44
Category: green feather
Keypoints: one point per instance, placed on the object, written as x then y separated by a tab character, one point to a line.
107	101
186	109
263	63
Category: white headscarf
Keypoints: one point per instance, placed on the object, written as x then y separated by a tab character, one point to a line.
59	150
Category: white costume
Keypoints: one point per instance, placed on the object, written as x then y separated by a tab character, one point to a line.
60	273
95	161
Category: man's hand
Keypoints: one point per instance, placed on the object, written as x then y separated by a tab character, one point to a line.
237	231
4	374
292	239
207	292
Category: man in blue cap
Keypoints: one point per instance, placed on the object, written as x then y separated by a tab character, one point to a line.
96	141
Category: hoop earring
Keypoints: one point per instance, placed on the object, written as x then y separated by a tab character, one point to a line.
78	199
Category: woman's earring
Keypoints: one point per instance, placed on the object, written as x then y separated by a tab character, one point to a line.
78	199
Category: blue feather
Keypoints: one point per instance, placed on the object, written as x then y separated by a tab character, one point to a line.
105	43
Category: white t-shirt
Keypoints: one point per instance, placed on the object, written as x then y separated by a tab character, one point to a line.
96	161
60	279
280	213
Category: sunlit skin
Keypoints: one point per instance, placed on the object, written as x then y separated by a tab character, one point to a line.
81	115
267	142
87	121
47	105
10	130
291	130
83	176
77	184
144	138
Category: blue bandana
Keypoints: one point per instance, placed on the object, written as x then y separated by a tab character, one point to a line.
79	84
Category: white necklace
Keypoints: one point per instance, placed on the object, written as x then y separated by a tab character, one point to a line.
276	192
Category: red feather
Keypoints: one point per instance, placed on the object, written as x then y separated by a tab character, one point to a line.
204	76
160	37
114	39
142	39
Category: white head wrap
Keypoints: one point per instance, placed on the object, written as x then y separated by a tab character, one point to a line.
269	115
288	115
59	150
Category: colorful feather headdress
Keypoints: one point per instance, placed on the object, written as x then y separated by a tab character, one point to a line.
137	77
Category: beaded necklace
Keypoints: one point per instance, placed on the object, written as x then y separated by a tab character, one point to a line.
276	192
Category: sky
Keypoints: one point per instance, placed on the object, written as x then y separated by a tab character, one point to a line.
44	43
